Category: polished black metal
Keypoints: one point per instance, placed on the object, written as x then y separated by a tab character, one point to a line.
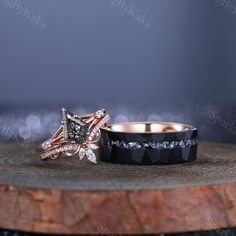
148	148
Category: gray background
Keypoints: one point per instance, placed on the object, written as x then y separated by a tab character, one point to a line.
90	54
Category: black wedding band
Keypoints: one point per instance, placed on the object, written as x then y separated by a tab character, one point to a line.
148	143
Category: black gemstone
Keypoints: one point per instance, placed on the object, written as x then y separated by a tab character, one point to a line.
75	129
76	132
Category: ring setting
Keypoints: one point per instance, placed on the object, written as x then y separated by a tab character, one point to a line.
76	135
138	143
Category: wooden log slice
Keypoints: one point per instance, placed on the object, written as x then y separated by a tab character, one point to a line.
76	197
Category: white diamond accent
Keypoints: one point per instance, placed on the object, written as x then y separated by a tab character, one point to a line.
131	144
91	156
46	144
146	145
93	146
182	144
100	113
81	153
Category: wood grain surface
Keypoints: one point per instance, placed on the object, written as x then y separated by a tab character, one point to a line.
77	197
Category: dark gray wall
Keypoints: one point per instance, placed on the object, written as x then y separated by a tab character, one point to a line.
91	50
177	64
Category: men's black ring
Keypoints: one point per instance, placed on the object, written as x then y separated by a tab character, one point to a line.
148	143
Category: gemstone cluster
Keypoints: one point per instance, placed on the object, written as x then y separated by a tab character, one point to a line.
77	132
152	145
75	129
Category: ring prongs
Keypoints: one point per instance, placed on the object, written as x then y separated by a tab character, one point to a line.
76	135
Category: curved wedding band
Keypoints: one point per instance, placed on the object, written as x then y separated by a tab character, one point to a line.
148	143
76	135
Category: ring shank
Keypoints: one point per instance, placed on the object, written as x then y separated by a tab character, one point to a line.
149	127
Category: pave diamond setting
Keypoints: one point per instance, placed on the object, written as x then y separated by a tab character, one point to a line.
46	144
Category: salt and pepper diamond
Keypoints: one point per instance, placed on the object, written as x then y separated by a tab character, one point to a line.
153	145
74	129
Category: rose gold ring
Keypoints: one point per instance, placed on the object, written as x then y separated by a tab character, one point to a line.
76	135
